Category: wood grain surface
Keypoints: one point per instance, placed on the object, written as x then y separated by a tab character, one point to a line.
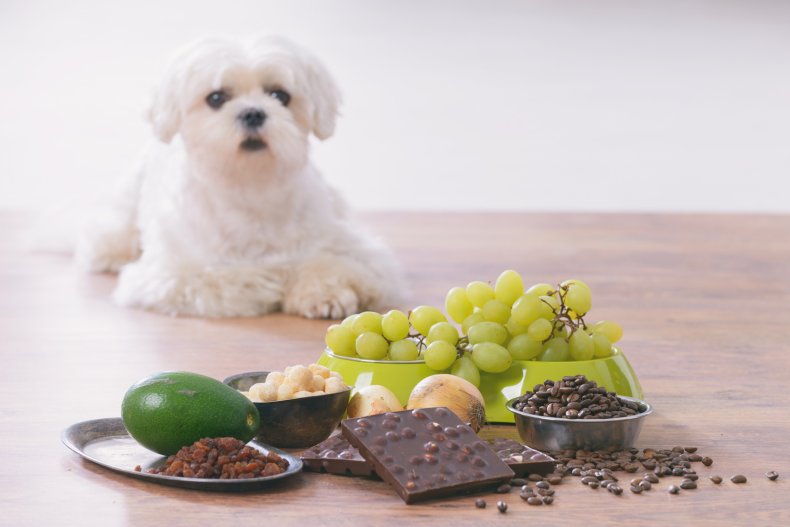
703	300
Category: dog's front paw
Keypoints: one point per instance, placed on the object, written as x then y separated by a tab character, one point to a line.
334	302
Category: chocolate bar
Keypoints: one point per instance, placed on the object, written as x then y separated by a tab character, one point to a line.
336	456
521	458
426	453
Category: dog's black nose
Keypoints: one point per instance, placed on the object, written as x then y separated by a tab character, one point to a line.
252	118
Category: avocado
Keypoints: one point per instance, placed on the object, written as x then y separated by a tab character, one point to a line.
170	410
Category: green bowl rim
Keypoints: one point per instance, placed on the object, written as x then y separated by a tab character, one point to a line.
372	361
648	410
617	352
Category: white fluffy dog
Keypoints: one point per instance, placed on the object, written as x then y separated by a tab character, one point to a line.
225	216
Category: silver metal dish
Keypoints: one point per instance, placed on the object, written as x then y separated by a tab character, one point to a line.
555	433
106	442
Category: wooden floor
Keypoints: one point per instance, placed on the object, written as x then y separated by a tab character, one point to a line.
703	300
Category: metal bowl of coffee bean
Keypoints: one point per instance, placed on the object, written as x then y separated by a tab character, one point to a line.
575	413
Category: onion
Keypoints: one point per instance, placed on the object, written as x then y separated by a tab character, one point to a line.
372	400
457	394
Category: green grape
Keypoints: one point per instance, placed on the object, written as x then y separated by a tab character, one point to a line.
540	290
508	287
527	309
371	345
479	293
581	346
487	332
466	369
578	298
603	347
457	304
405	349
439	355
514	328
555	350
340	340
423	317
496	311
442	331
522	347
395	325
348	321
491	357
560	331
612	330
367	322
471	320
540	330
550	307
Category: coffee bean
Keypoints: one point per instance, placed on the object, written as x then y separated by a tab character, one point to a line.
502	506
690	449
692	476
555	480
772	475
645	485
589	479
518	482
594	484
738	478
716	479
636	489
542	485
687	484
631	467
546	492
707	461
503	489
636	481
652	478
614	489
535	477
534	500
480	503
548	500
673	489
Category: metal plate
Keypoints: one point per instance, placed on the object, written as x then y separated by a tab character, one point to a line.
106	442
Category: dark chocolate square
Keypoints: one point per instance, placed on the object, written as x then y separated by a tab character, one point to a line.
335	455
426	453
521	458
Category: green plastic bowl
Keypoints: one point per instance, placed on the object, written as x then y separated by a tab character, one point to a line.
615	373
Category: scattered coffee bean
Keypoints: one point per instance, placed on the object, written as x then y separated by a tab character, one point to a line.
645	485
502	506
673	489
636	489
687	484
635	482
535	477
772	475
738	478
534	500
615	489
707	461
503	489
691	449
542	484
652	478
548	500
518	482
554	480
716	479
480	503
693	476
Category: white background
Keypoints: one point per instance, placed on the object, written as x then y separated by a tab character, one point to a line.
487	105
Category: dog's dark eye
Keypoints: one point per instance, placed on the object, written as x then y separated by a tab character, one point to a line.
281	95
217	98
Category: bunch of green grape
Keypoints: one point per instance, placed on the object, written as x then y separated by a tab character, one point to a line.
498	324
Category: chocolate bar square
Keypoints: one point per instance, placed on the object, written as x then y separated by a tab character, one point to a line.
521	458
335	455
426	453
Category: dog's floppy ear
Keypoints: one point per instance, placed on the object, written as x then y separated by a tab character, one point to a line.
325	96
164	114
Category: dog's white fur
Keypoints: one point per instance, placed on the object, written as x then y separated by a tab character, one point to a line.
203	227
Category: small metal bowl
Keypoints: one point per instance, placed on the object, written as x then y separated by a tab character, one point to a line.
555	433
294	423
